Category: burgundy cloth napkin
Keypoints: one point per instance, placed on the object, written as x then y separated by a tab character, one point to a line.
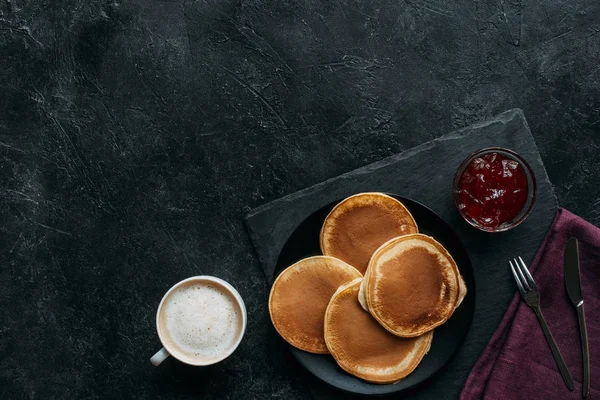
517	362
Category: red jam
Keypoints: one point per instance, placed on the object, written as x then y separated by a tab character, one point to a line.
493	190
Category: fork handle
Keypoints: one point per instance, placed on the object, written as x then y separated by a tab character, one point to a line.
564	371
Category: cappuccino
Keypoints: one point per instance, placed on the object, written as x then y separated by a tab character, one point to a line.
201	322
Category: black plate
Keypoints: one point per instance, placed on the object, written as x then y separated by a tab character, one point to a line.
304	242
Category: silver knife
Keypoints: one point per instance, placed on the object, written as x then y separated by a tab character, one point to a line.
573	285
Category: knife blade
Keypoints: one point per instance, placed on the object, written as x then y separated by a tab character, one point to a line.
572	274
573	286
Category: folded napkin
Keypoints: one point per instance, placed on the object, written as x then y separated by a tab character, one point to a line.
517	363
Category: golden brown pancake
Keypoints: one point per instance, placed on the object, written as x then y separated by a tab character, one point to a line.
362	347
300	296
413	285
362	299
362	290
462	286
358	225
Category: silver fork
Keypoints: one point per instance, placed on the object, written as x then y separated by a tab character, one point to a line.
531	295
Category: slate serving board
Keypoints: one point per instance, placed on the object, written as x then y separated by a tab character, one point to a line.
424	173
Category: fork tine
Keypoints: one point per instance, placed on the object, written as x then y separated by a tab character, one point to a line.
519	285
527	274
523	279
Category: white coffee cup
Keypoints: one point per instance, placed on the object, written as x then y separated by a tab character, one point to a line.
200	321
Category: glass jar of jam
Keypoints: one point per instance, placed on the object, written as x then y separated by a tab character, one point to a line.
494	189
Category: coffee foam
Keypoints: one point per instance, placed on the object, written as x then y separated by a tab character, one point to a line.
201	320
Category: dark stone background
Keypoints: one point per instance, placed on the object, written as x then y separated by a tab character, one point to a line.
134	137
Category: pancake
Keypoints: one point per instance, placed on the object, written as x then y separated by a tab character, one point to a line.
462	290
362	347
299	298
413	285
358	225
362	299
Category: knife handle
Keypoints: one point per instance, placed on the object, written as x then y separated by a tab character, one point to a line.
564	371
584	350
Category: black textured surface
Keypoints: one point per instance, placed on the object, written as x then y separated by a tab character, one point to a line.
134	137
424	174
448	338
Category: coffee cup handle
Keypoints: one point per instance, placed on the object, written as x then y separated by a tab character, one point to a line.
159	357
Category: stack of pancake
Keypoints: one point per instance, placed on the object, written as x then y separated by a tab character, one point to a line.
374	297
